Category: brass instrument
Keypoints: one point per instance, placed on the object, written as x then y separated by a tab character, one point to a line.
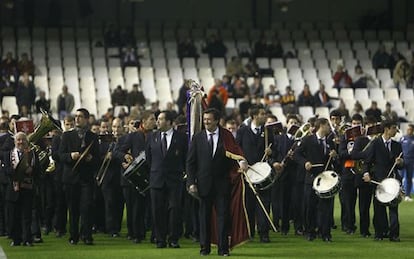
82	156
303	131
375	131
105	163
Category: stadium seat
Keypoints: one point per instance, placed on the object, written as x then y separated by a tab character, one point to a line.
9	104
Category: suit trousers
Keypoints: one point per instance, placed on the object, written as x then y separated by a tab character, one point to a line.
61	209
317	209
364	203
114	205
381	224
349	195
21	218
79	200
135	206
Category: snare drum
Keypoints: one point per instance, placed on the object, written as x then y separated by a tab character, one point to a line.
137	173
389	192
326	184
261	175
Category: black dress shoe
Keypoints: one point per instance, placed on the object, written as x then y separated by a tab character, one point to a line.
395	239
115	235
174	245
136	241
204	252
310	237
161	245
350	232
225	253
37	240
365	235
378	238
327	239
284	233
13	243
298	232
264	239
334	226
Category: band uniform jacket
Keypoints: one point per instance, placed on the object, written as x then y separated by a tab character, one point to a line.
383	160
358	153
204	171
56	157
85	170
6	144
11	194
166	169
310	150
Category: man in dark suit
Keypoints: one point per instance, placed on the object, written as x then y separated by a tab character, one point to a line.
383	153
111	182
166	154
316	149
251	139
365	189
22	166
79	180
129	147
61	208
208	170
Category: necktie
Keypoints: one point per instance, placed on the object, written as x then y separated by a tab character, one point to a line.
164	143
211	144
388	145
322	144
258	131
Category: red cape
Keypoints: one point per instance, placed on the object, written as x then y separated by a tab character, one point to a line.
240	231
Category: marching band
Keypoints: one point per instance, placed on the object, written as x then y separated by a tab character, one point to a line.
145	166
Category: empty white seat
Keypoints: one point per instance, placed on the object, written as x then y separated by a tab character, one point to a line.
406	94
292	63
321	64
41	84
324	73
295	73
9	104
391	94
205	72
218	63
322	112
115	81
319	54
263	62
190	73
306	112
307	64
346	93
148	87
55	71
203	62
276	63
189	63
85	62
219	72
147	73
376	94
163	88
361	94
173	63
71	71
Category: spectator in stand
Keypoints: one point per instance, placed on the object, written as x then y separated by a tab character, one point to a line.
214	101
381	58
171	108
275	49
129	57
374	111
389	114
231	125
239	88
256	88
341	78
261	48
288	102
7	88
118	96
111	37
306	98
215	47
25	65
219	91
9	67
225	82
186	48
395	57
251	68
135	97
42	102
358	109
343	111
362	79
65	103
322	98
25	94
234	67
402	75
273	96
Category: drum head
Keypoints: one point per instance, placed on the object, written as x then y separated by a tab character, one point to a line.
258	172
325	181
387	190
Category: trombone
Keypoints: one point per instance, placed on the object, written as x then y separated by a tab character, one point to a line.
105	163
82	156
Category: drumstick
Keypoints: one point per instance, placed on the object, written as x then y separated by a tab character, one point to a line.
327	164
318	165
393	166
264	155
260	201
254	170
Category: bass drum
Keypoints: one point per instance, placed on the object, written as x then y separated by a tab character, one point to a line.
137	174
326	184
261	175
389	192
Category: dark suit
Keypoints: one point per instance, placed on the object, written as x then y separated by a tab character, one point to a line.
79	183
383	160
310	150
253	146
134	143
6	144
61	208
284	190
211	174
21	201
364	188
166	181
348	191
